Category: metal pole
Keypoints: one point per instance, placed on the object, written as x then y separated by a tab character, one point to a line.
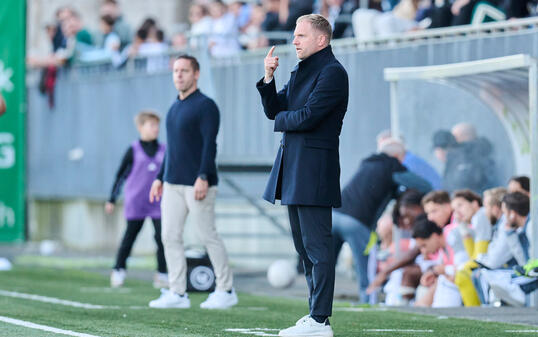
394	117
395	132
533	106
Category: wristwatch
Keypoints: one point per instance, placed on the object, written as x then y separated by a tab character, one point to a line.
203	176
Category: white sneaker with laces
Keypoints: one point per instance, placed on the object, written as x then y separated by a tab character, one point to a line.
160	280
220	300
308	327
117	278
170	299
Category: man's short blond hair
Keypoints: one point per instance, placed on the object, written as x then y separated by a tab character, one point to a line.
319	23
495	195
145	115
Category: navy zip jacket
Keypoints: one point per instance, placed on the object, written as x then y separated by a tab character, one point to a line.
192	125
309	111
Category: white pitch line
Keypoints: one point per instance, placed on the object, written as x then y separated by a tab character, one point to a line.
263	332
395	330
43	327
54	300
522	331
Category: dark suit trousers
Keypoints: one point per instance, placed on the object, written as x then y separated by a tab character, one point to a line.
311	229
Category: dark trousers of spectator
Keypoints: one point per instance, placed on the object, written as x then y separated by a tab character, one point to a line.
133	228
466	14
311	230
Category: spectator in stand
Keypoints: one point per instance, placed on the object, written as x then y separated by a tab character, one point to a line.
200	25
335	11
179	41
224	38
414	163
78	40
58	39
368	23
271	22
242	12
111	41
520	184
153	48
253	37
290	10
121	27
109	47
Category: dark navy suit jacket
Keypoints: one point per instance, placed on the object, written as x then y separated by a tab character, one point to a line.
309	111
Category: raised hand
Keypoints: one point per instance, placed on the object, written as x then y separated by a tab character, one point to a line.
271	63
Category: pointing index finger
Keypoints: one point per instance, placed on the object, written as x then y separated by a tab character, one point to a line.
270	53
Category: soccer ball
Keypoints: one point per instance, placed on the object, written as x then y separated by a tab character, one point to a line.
281	274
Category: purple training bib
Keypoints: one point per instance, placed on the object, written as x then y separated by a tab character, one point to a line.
138	184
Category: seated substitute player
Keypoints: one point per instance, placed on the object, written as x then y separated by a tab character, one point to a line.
483	223
432	240
139	167
436	204
519	184
504	282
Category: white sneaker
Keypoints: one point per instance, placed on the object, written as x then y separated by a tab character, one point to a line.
220	300
509	293
160	280
308	327
170	299
117	278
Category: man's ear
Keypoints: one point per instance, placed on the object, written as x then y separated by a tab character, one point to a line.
322	39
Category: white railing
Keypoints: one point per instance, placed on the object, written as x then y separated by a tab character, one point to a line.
442	33
409	38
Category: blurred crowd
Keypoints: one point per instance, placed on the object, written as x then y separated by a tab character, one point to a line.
439	240
225	28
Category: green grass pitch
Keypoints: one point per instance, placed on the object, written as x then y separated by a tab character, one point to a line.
125	312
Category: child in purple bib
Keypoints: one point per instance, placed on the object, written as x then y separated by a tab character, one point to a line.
139	167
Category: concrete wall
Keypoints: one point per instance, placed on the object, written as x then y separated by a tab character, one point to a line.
82	226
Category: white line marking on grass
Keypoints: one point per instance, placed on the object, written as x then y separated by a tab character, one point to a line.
54	300
359	309
521	331
139	307
395	330
254	331
43	327
107	290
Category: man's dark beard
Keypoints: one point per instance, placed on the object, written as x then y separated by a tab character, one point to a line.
493	220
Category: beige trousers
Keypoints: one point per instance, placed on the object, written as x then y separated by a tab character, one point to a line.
177	202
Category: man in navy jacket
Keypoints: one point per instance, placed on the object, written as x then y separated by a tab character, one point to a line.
309	111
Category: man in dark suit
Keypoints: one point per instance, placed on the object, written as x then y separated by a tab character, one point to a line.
309	111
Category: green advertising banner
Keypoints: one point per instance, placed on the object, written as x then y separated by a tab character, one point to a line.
12	136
